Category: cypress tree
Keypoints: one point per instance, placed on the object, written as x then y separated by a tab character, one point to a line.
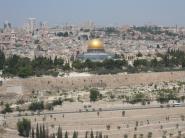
75	134
47	133
66	135
37	131
100	135
59	133
55	61
97	135
92	135
33	133
41	132
86	134
2	59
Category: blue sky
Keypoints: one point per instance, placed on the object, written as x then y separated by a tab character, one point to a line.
102	12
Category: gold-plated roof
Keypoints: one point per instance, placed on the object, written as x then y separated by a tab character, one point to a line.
95	44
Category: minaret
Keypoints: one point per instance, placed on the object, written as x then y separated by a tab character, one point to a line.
13	37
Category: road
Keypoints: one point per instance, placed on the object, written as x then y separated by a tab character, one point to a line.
142	107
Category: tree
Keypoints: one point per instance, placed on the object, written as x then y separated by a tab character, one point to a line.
12	64
166	60
59	133
41	132
140	63
24	127
58	62
149	134
36	106
66	135
37	131
75	134
108	64
92	135
60	34
25	71
126	136
94	95
66	67
138	97
164	95
7	109
44	131
100	135
123	113
77	64
86	134
2	60
89	64
139	54
32	133
154	62
66	34
36	42
120	63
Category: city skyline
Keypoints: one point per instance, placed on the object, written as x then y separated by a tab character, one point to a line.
128	12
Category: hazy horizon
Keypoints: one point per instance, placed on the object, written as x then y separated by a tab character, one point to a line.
110	12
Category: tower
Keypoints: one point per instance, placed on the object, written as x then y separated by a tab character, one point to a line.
31	25
7	26
13	37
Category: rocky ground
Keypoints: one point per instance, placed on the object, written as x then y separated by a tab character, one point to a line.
161	122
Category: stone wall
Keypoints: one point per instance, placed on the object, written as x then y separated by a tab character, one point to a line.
109	81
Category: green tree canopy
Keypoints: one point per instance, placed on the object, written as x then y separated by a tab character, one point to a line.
24	127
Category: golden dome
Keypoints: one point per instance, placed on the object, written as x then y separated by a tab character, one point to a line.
95	44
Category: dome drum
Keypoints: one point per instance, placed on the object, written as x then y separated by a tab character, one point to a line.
95	51
96	45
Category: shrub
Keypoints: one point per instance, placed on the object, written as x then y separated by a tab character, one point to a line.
94	95
36	106
7	109
24	127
